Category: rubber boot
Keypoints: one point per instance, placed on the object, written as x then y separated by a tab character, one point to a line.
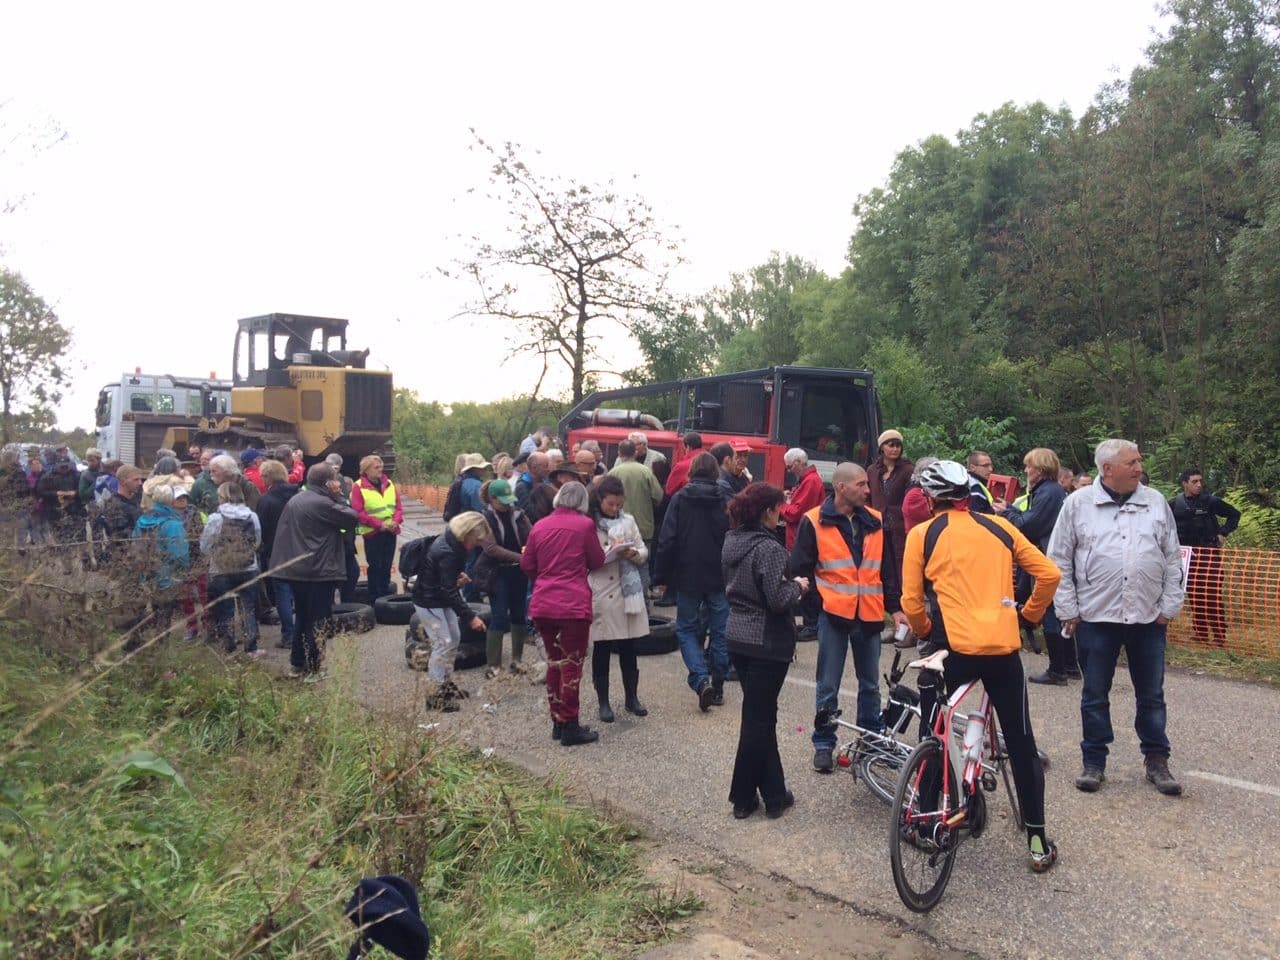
518	635
493	649
630	681
602	693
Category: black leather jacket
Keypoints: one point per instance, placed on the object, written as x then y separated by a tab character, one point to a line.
437	585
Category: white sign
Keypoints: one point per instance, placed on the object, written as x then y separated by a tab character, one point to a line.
1186	564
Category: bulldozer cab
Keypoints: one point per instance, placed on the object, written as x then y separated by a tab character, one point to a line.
267	346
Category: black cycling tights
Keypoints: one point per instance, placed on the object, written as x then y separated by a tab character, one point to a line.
1006	685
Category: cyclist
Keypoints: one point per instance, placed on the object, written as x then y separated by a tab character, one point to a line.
957	579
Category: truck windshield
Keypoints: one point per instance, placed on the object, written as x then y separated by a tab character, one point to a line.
833	422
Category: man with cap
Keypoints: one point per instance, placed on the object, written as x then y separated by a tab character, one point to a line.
251	467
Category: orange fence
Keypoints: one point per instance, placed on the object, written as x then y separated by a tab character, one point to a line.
433	497
1233	602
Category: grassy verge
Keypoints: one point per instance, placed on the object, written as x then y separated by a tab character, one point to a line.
1223	663
181	807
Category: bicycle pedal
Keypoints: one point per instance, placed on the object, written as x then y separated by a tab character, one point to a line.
988	781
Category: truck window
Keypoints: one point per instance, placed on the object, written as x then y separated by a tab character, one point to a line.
833	422
140	402
242	356
164	403
104	409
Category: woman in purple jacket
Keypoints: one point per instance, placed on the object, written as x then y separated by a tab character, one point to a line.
562	549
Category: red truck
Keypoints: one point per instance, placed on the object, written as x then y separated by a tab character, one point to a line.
832	414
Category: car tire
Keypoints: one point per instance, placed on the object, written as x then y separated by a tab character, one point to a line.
352	618
395	608
661	638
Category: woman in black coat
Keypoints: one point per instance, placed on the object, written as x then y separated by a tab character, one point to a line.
762	642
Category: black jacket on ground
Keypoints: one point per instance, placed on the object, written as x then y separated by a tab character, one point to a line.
804	553
270	506
310	528
1197	519
437	585
692	538
761	599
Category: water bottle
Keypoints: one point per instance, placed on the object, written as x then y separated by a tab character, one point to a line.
973	737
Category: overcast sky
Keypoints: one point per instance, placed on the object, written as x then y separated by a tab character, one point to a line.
309	158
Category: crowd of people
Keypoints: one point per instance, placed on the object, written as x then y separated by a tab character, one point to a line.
570	552
922	554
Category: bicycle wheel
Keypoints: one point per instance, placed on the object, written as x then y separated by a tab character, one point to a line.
879	770
922	864
1006	774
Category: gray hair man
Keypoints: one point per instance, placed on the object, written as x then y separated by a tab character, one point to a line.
643	453
1116	544
841	546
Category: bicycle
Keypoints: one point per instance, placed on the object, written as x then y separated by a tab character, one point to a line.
938	802
877	757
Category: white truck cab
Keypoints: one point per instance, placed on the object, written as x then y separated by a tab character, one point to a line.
133	414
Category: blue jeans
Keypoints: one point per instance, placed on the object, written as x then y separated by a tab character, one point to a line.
228	600
834	640
690	637
508	599
379	554
283	595
1098	646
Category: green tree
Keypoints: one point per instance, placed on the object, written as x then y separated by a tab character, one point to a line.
33	349
580	258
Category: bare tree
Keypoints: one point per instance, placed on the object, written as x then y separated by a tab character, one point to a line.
593	254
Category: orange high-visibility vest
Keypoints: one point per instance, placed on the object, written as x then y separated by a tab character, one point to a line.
848	591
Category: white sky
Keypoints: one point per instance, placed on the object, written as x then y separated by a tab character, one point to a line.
308	158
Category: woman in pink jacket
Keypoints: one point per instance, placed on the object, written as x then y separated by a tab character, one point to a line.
561	551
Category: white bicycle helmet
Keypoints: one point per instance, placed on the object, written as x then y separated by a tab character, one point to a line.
945	480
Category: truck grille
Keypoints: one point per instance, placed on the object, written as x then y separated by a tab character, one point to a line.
368	402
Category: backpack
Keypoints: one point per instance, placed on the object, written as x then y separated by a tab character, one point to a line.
453	500
235	547
413	554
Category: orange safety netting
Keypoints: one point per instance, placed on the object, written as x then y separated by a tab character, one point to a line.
433	497
1233	598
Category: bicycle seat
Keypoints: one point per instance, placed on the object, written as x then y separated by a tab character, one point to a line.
932	662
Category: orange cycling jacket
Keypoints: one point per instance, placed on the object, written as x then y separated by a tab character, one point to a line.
957	581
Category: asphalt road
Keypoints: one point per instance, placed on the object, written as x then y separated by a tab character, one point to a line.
1139	874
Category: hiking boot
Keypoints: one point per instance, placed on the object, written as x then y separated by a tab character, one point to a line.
774	810
823	761
1090	779
572	734
1051	677
1042	856
1158	773
705	695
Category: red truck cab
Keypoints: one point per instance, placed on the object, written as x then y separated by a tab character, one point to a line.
832	414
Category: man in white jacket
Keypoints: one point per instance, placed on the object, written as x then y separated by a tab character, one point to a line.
1116	544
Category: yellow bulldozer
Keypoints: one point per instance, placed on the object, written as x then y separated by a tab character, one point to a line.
295	382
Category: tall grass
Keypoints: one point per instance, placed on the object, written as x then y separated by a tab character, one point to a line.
281	797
